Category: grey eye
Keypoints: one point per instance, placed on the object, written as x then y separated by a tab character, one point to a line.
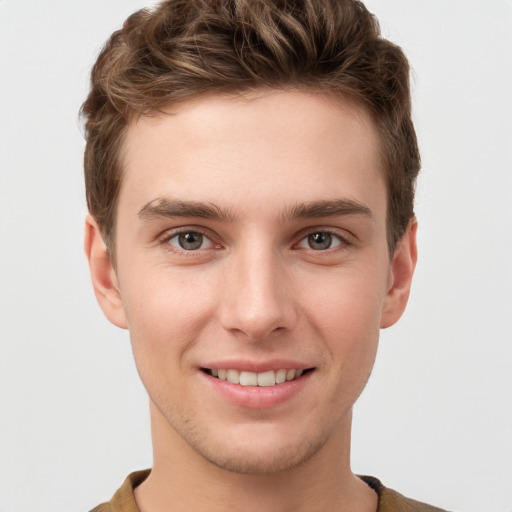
190	241
320	241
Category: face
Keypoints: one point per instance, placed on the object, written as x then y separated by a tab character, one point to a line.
253	272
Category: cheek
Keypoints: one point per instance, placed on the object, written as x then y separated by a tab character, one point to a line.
350	295
346	311
166	310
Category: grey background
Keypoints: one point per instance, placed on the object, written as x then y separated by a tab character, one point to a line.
436	419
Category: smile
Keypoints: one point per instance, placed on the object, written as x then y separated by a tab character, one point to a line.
263	379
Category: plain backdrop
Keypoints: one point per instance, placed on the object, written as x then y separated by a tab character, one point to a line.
435	421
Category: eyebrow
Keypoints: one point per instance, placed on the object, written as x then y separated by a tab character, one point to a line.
327	208
163	207
167	208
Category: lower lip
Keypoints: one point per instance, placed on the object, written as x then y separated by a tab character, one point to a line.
258	397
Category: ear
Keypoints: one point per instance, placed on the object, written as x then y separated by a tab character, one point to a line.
103	276
402	269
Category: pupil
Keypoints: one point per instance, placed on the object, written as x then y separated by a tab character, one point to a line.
190	241
318	241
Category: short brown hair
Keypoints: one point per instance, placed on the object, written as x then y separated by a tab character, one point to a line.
185	48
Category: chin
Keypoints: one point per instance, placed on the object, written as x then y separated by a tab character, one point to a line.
257	449
260	460
256	446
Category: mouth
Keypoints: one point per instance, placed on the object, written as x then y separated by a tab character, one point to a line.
263	379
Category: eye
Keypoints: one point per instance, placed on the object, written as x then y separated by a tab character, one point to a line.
321	241
190	241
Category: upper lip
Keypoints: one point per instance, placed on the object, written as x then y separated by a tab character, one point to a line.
257	366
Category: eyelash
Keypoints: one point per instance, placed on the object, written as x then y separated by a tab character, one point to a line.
167	237
344	241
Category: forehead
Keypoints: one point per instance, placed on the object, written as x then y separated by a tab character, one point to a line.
264	148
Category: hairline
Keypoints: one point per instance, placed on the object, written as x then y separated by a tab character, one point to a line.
244	93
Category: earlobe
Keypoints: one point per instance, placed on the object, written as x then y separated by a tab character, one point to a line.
402	270
103	275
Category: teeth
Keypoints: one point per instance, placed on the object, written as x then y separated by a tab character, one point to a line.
248	379
263	379
233	376
280	376
266	378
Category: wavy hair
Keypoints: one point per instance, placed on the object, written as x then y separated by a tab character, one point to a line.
182	49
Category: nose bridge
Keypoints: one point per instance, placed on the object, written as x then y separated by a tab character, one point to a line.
256	300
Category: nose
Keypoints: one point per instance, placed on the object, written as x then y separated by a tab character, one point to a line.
258	299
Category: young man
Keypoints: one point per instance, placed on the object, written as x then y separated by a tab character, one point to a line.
250	169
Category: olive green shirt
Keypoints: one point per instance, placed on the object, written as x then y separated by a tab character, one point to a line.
389	501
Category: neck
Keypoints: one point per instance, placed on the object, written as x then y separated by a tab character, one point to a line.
183	480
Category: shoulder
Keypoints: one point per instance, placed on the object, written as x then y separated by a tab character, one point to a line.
124	500
104	507
392	501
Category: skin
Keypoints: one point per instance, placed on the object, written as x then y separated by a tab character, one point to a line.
256	290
